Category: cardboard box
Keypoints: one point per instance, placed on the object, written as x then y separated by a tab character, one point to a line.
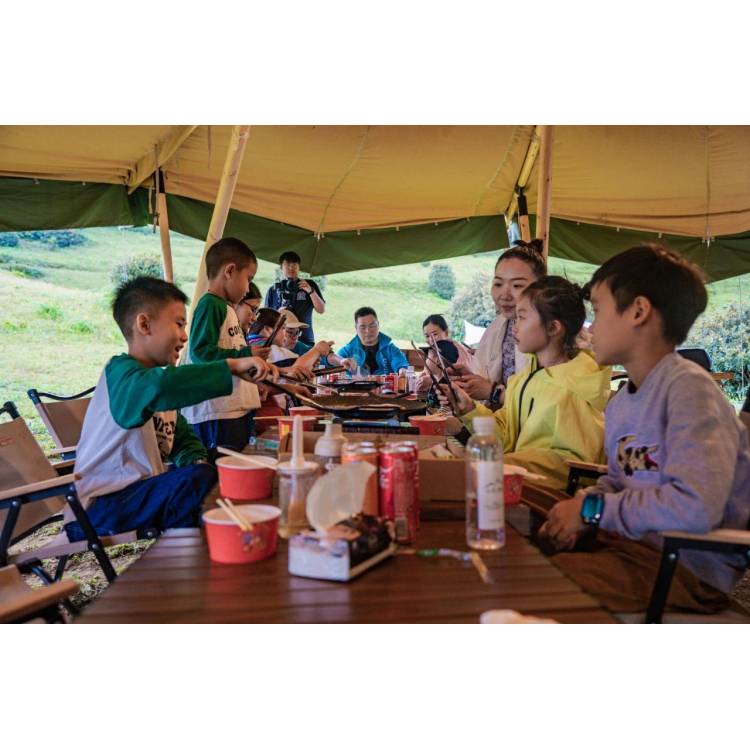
439	478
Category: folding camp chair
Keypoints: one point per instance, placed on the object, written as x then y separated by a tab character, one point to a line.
745	412
63	416
699	356
36	497
20	603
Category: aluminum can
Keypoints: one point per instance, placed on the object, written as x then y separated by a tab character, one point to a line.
415	450
355	452
397	470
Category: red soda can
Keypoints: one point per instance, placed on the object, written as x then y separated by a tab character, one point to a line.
397	469
355	452
415	449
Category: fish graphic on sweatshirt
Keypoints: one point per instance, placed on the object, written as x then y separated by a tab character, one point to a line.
633	458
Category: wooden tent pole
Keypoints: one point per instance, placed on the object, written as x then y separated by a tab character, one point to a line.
166	245
523	178
544	192
237	142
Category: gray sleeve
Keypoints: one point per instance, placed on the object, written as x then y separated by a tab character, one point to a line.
698	466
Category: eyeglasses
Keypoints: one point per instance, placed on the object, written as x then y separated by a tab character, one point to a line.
290	264
253	308
293	333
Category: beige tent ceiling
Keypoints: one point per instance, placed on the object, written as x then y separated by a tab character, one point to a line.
677	180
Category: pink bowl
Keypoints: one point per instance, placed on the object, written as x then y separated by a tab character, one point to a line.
241	481
227	543
428	426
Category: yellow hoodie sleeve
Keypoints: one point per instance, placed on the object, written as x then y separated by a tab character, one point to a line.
501	422
578	434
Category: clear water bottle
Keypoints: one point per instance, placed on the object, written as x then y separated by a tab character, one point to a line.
485	507
411	379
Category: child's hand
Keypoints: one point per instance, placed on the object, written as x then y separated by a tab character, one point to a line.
323	348
564	524
252	369
465	404
298	372
261	351
475	385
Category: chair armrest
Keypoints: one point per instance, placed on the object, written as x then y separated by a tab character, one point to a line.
573	464
60	451
727	536
48	484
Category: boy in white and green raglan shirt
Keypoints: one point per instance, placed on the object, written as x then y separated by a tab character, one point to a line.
142	466
216	335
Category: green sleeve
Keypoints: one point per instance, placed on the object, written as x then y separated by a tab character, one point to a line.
136	392
187	448
208	318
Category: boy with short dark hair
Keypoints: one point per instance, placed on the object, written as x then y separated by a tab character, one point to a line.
132	426
678	456
216	335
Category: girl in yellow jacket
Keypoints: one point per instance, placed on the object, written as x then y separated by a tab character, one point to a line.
554	408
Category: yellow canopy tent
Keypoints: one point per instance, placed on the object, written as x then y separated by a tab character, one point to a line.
349	197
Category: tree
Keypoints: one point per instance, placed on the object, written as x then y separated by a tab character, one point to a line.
442	281
473	304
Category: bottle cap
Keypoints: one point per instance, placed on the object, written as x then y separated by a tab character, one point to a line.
484	425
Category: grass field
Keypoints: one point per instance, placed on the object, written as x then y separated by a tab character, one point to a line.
56	331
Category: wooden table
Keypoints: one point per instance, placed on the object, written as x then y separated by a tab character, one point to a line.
176	582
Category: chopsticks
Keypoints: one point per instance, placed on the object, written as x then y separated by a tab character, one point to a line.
276	328
228	507
244	457
454	405
328	371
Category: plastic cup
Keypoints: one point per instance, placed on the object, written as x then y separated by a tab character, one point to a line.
239	480
228	543
428	425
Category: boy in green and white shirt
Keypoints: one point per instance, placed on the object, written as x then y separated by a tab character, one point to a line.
141	464
215	336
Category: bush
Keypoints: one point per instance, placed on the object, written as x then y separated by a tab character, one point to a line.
473	303
19	269
724	334
50	312
442	281
80	326
8	239
143	264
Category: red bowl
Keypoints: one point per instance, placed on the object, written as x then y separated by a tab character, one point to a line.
242	481
227	543
428	426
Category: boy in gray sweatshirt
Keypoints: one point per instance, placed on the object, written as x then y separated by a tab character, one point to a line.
678	457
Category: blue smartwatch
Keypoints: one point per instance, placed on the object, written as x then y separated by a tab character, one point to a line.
592	508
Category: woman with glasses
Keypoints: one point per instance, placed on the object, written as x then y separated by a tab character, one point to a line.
247	313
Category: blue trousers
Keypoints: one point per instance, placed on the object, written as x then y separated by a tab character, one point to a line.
168	501
231	433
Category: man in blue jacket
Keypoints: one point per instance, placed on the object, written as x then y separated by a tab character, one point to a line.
373	352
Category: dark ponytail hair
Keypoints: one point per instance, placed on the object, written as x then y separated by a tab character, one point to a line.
436	320
531	253
556	298
267	316
252	293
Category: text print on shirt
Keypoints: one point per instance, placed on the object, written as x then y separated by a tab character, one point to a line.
164	427
235	330
634	459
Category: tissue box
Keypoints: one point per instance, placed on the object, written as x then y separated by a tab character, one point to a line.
350	548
